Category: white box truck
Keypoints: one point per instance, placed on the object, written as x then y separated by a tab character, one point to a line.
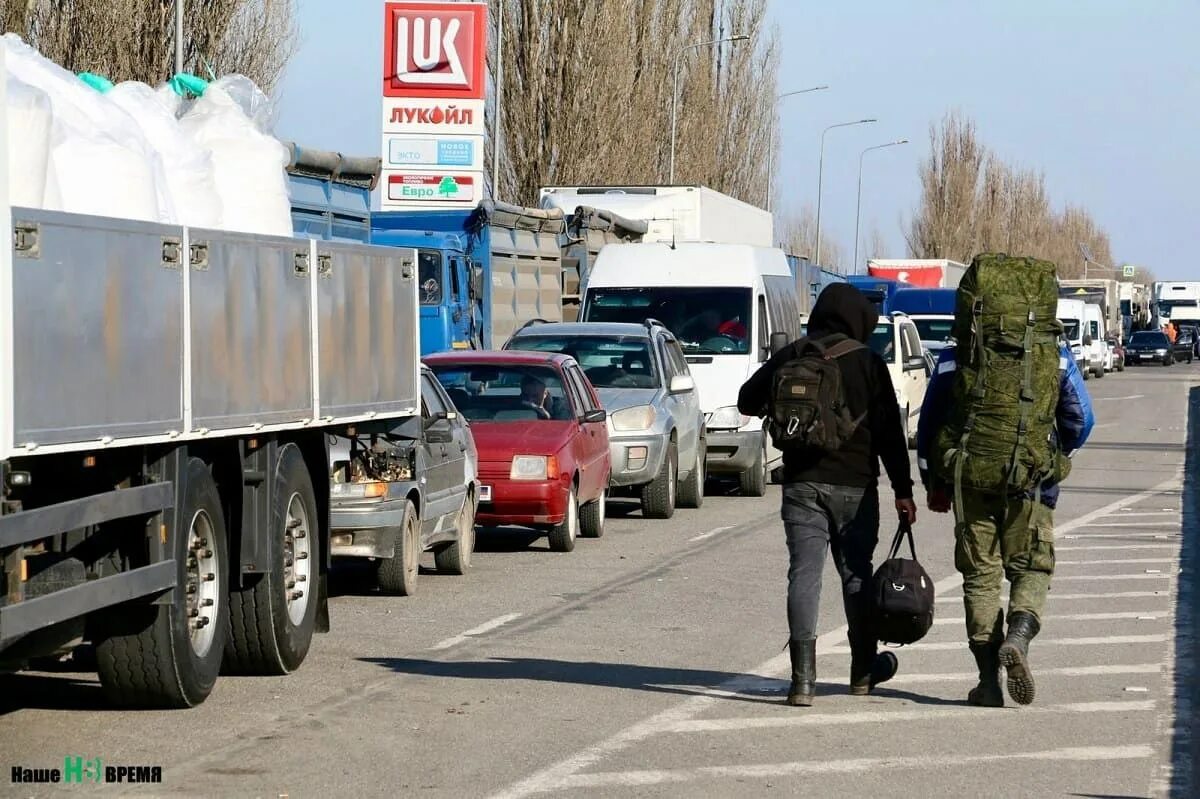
929	273
672	213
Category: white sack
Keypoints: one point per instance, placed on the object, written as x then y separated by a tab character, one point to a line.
29	120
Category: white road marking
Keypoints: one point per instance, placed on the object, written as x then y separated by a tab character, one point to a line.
1115	616
1099	578
1107	561
1128	513
1118	399
1133	525
559	775
806	768
1068	671
486	627
1117	536
709	534
883	716
1056	597
1107	547
1099	640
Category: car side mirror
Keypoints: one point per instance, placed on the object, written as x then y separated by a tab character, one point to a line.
682	384
914	363
594	417
779	341
439	431
476	279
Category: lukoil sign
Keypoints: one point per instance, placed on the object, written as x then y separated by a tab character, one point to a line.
435	50
433	187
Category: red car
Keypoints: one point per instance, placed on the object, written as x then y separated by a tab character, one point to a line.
541	436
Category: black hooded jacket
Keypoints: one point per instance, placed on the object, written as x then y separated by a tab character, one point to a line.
843	310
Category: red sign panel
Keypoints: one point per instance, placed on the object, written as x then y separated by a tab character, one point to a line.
927	277
435	50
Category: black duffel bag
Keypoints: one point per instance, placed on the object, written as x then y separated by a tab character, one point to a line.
902	594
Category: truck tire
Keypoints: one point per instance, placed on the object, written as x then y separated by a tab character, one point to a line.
658	496
398	574
592	515
273	615
691	490
562	536
753	481
169	656
455	557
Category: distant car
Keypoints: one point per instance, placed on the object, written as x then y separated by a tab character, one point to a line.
897	341
1184	347
542	440
412	490
1118	355
655	423
1149	346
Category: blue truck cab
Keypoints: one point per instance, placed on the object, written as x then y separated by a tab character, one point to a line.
931	310
879	290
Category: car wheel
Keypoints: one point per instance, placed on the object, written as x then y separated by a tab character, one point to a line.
753	481
658	497
455	557
591	516
562	536
398	574
691	492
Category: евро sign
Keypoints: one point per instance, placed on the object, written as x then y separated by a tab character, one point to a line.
434	92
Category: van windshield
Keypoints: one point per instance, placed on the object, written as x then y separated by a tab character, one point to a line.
707	321
1070	329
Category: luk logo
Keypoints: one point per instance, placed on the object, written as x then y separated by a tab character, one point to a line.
435	50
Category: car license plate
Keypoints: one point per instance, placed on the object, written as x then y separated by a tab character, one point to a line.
485	493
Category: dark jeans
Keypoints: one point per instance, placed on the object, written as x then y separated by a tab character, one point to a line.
817	516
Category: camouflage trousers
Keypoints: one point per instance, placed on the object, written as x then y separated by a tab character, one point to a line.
1000	537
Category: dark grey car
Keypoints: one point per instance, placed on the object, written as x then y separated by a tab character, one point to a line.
655	424
407	489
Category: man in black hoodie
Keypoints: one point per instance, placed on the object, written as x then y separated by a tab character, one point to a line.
831	499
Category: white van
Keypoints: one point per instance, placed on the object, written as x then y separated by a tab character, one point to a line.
726	304
1095	344
1070	313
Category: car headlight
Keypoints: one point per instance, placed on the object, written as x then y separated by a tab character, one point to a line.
1160	352
639	417
368	489
533	467
727	418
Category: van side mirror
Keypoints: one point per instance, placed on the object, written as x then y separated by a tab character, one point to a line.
1087	340
682	384
779	341
916	362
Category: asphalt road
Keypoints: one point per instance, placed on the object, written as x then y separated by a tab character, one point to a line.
651	663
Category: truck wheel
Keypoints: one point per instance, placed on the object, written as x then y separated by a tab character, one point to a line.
398	574
591	516
562	536
455	557
658	497
691	490
169	656
753	481
273	616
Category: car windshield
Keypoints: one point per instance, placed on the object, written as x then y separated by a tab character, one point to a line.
934	329
505	392
1070	329
708	321
883	341
1148	339
608	361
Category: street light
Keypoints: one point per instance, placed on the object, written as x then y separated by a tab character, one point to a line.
858	204
741	37
821	174
771	141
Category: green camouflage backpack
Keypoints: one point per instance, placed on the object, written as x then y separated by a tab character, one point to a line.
997	438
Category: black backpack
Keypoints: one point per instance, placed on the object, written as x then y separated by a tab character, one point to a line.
807	407
903	595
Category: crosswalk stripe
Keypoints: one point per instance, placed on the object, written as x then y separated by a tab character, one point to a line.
1107	561
1099	640
1132	525
858	765
1108	547
1058	578
1114	616
904	678
1056	597
806	719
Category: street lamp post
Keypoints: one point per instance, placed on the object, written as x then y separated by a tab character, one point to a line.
858	203
178	36
771	140
741	37
821	174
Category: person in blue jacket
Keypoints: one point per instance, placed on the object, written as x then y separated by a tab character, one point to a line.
1074	420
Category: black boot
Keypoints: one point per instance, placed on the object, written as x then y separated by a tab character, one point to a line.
804	672
988	693
1014	656
869	668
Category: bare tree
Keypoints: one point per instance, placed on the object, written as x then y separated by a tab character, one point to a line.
945	224
797	234
876	246
588	93
135	39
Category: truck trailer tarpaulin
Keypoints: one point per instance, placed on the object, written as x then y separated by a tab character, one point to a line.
925	273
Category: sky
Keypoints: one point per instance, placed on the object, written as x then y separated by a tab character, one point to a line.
1102	96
